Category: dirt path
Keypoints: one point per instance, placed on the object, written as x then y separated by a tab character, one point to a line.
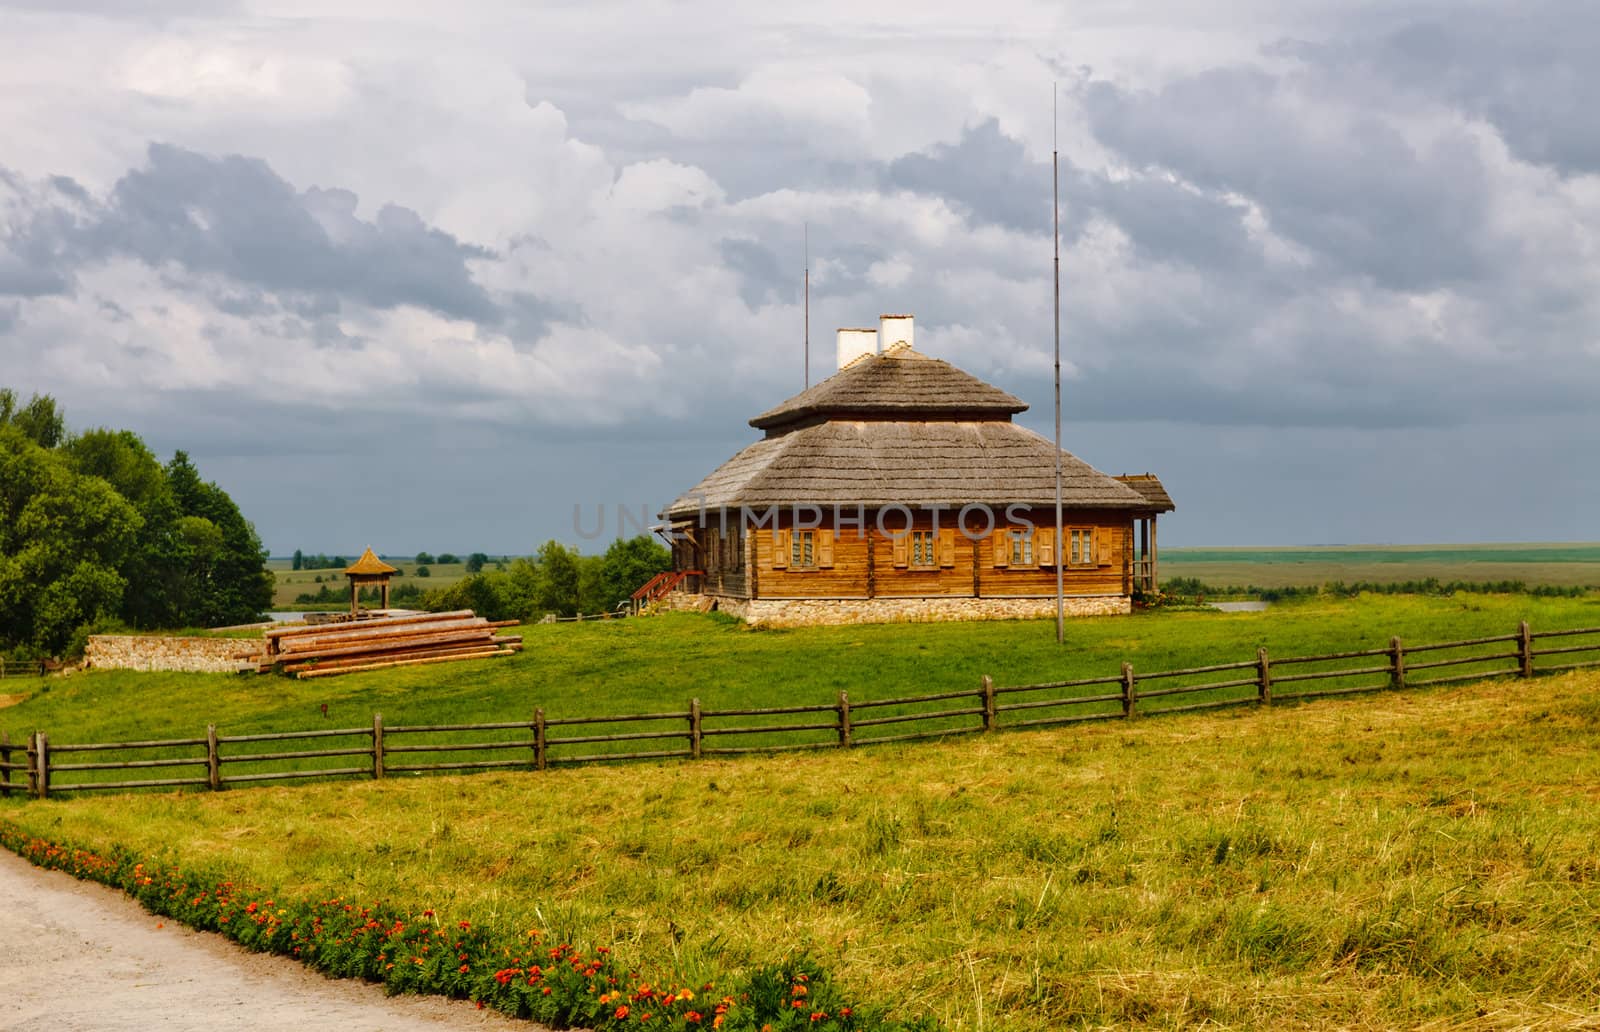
76	957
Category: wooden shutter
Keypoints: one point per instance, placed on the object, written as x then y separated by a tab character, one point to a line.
1044	545
947	546
1104	540
780	549
901	543
1000	544
825	549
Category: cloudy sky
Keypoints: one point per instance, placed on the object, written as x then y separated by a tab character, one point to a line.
429	279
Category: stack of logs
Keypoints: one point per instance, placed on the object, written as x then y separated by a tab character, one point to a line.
346	648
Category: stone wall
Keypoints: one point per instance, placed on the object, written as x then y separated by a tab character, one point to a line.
140	652
819	612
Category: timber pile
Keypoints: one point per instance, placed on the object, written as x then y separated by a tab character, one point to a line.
392	641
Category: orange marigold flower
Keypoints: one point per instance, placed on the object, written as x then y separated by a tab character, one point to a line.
621	1013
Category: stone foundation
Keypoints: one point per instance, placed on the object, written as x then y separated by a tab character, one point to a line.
823	612
140	652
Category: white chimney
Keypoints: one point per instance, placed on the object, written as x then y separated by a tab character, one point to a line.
854	343
895	329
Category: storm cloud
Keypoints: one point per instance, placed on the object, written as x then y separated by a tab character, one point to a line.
388	237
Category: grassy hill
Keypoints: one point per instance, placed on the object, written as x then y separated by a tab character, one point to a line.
1410	859
643	665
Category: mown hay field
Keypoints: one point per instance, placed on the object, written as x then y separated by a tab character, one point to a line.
1411	858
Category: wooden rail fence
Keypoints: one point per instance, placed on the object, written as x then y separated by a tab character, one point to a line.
216	761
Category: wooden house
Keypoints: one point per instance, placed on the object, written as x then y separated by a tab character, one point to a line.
900	489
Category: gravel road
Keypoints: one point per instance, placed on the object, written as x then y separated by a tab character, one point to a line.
76	957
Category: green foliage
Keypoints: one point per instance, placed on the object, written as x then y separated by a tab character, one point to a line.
39	420
64	538
628	565
93	527
425	558
476	562
423	571
299	562
320	561
557	590
446	559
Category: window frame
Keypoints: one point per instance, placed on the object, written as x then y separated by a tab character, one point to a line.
1080	558
803	550
1019	549
924	551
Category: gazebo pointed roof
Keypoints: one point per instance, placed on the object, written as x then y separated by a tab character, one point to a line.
369	565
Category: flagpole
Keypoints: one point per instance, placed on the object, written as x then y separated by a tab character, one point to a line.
1055	233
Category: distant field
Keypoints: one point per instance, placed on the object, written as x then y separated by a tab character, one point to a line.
291	583
1557	565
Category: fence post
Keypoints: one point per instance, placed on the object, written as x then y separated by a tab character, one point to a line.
844	720
987	694
1263	677
377	747
694	729
5	765
213	761
1397	663
44	765
32	755
1525	648
1130	695
538	739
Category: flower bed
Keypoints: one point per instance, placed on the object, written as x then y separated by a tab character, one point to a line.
523	974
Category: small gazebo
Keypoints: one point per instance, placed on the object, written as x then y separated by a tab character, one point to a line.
369	569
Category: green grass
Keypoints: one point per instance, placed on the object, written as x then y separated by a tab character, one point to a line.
1558	565
1408	859
659	663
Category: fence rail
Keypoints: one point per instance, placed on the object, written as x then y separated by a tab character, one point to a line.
215	761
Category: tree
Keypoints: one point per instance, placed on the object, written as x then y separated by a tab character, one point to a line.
299	560
425	558
63	537
39	420
476	561
447	558
153	568
557	590
423	571
627	565
231	584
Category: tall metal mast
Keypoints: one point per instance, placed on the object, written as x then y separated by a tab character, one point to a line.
1055	232
808	302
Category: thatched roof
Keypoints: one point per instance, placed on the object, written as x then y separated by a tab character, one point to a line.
902	383
879	462
369	565
1148	485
